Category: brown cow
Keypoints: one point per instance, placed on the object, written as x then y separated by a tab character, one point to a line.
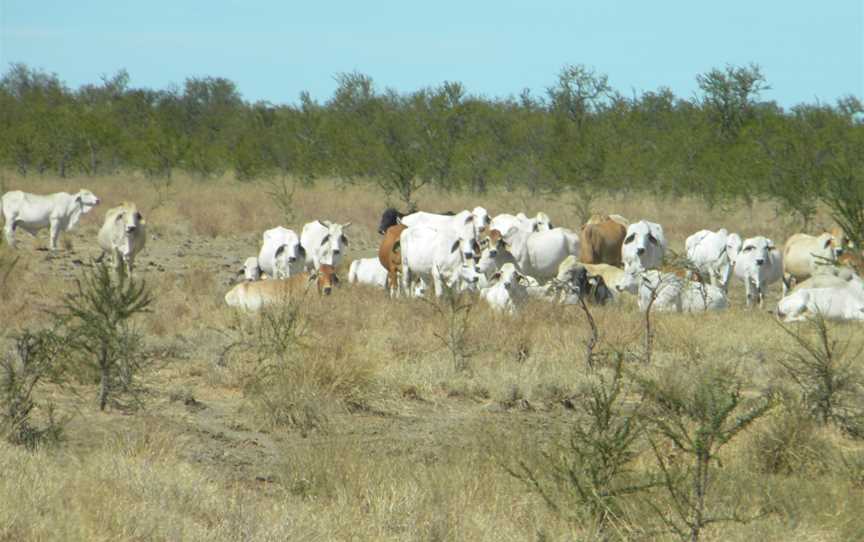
252	296
602	241
390	256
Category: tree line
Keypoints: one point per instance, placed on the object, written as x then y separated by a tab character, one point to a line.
723	144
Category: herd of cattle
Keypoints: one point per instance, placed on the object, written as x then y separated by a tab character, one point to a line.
506	258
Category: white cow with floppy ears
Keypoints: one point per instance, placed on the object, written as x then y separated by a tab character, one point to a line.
32	212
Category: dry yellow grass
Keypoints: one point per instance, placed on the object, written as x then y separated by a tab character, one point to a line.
407	447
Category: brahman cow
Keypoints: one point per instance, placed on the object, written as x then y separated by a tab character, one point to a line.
281	255
644	246
252	296
367	271
708	251
601	241
508	291
827	296
504	222
538	254
609	274
31	212
667	292
251	270
324	242
442	255
758	264
804	254
478	219
122	235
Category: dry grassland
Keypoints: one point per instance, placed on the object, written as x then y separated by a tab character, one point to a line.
362	429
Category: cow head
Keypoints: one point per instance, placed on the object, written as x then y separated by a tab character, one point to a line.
289	259
642	243
481	219
510	278
542	222
334	243
467	239
829	248
251	269
86	199
129	219
325	279
491	244
390	217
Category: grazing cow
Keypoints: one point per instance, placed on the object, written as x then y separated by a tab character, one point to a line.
122	235
504	222
644	246
758	264
708	251
839	301
251	269
667	292
440	255
281	255
508	291
324	243
253	296
804	254
539	254
31	212
602	242
477	219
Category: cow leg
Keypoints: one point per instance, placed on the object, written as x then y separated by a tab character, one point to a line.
748	289
54	234
9	232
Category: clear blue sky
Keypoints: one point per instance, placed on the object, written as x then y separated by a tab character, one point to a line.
274	49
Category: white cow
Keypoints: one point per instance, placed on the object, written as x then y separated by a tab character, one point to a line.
122	235
671	293
324	243
539	254
370	271
709	253
367	271
508	291
442	256
251	269
841	301
804	254
504	222
59	212
644	246
281	255
478	219
733	247
758	264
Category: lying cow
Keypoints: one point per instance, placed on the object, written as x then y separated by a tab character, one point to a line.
253	296
32	212
830	297
123	235
324	242
508	291
804	254
667	292
281	255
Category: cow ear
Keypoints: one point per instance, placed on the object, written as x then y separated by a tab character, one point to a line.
828	242
652	238
325	239
313	276
343	239
469	218
496	276
455	246
346	225
300	250
629	238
